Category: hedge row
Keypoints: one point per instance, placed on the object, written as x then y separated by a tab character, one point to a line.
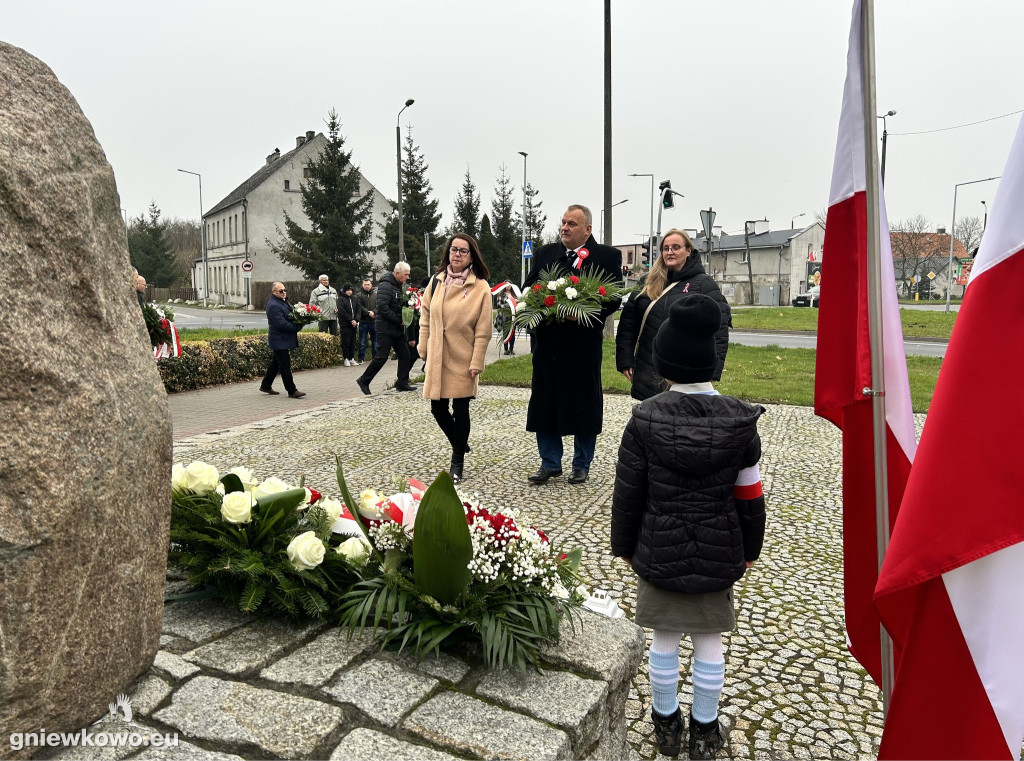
229	360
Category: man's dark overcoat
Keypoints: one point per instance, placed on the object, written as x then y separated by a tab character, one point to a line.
566	396
282	333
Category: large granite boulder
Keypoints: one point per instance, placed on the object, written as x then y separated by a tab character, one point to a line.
85	456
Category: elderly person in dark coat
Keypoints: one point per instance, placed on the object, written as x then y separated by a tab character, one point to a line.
282	337
390	330
567	395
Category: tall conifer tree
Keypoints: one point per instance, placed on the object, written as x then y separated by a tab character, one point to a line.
150	249
419	215
467	209
337	242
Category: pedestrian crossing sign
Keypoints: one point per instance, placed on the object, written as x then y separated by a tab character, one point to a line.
527	249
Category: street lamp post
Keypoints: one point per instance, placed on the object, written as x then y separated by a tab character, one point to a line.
398	146
202	238
794	219
522	250
985	223
602	216
885	134
650	235
952	229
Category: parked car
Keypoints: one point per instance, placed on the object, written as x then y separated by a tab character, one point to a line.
809	299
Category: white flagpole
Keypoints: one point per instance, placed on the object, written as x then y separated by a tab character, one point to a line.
877	390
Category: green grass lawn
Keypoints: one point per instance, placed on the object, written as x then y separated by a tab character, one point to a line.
768	374
916	323
210	334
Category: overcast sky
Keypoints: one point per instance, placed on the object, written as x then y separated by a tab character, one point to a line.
735	101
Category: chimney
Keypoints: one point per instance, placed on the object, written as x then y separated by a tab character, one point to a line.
310	135
299	141
274	156
941	231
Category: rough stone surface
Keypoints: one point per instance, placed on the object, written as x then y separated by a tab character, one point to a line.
238	715
314	664
245	651
606	651
469	726
380	689
174	666
84	513
148	693
440	666
366	743
201	621
557	697
184	752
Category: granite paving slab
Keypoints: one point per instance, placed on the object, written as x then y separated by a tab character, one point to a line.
601	650
184	751
174	666
245	651
557	697
440	665
369	744
470	726
382	690
314	664
200	621
244	717
148	693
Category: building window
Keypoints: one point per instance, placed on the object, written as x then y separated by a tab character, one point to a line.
236	228
306	173
287	185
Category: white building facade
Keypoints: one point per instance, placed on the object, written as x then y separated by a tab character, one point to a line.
243	225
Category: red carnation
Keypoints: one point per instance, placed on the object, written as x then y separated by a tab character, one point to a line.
602	291
573	279
536	287
314	496
549	301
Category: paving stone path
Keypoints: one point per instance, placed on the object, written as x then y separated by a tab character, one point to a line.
792	689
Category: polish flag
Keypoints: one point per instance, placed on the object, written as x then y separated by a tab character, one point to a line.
951	591
843	365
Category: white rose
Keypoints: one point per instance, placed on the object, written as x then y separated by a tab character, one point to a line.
245	476
269	486
200	478
553	285
178	475
368	505
236	507
571	293
306	551
332	507
355	550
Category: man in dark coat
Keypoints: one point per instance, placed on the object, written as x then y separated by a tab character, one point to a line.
390	330
283	335
566	393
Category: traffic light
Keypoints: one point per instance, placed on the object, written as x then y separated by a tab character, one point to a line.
646	256
666	194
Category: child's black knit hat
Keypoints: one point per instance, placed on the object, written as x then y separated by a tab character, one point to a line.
684	349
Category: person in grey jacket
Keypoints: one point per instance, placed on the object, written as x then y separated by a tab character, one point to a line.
326	299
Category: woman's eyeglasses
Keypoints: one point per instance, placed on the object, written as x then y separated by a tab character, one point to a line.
460	251
673	249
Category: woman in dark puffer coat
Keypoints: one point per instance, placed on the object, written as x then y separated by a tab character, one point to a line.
688	514
676	272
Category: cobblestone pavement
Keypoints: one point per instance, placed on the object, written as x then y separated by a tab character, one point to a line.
792	689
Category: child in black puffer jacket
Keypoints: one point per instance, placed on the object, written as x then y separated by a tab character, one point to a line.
688	514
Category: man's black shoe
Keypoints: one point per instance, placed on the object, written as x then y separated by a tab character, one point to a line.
542	476
577	476
363	386
405	388
269	391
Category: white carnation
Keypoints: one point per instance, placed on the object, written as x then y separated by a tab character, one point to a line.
571	293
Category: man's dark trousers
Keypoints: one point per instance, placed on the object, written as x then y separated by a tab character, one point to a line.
281	363
328	326
385	344
367	334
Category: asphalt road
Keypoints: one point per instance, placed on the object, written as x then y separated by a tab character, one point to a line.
185	317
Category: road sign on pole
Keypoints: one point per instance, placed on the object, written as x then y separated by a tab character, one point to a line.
247	266
527	249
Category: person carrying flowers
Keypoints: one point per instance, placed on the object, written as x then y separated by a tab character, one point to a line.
688	515
455	329
283	336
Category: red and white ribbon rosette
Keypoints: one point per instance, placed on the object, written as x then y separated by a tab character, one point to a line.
581	256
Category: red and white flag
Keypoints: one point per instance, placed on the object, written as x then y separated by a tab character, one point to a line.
951	591
843	364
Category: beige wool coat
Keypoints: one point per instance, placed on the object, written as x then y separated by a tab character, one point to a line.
455	328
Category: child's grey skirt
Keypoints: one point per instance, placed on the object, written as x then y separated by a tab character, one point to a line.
674	611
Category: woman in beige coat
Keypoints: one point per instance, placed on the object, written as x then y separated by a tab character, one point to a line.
455	328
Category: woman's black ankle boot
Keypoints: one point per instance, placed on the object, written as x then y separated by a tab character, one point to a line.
455	471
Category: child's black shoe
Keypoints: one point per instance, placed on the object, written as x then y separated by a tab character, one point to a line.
705	739
668	732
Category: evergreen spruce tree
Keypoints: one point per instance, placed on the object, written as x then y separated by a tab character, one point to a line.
337	242
150	249
536	219
508	236
467	209
419	216
489	249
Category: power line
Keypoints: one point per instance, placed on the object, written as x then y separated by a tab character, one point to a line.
958	126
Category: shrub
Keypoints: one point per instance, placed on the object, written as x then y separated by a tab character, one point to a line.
229	360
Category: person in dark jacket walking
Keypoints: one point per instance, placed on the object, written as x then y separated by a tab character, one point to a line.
348	319
390	330
566	395
283	335
367	301
688	515
676	272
